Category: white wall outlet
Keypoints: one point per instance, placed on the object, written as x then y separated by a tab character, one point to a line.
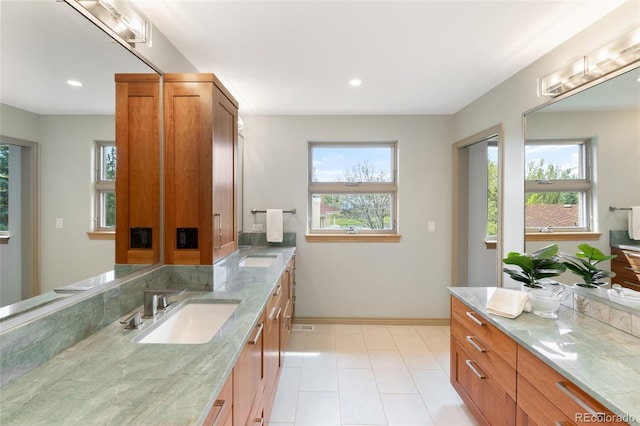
431	226
59	223
257	227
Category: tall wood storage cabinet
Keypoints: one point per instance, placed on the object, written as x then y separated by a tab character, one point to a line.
200	169
138	168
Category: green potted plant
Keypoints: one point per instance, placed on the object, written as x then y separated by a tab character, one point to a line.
543	263
584	264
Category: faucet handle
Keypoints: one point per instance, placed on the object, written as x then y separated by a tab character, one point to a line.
134	321
163	301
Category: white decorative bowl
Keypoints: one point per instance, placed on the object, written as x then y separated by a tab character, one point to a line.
545	303
628	297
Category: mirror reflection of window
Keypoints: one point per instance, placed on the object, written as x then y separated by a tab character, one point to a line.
558	186
105	187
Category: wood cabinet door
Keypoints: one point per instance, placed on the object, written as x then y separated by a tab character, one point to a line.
225	160
188	117
248	376
138	167
220	413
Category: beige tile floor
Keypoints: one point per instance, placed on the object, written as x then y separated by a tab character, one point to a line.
343	375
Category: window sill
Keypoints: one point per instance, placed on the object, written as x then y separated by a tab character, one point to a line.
4	239
563	236
490	245
352	238
102	235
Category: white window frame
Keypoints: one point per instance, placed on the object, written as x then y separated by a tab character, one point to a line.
584	186
101	187
390	188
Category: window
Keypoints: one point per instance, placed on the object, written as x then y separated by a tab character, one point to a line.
492	189
558	186
105	188
4	190
352	188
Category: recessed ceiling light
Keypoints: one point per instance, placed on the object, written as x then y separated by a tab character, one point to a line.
355	82
74	83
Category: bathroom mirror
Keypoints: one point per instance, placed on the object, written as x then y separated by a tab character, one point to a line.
52	127
607	115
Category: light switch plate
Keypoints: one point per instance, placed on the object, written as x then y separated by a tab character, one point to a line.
431	226
59	223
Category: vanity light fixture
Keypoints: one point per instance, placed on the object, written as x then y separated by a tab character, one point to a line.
611	57
120	18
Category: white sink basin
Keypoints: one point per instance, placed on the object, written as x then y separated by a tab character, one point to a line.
193	323
258	261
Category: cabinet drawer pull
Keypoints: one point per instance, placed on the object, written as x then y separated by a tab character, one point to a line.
257	336
259	421
630	283
219	404
577	400
636	270
559	423
632	254
277	291
278	314
474	319
475	345
474	369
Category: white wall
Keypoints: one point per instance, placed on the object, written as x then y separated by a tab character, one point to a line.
381	280
66	159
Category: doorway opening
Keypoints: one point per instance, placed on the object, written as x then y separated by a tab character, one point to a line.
477	209
19	261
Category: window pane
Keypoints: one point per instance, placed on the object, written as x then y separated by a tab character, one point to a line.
107	162
357	211
351	163
554	161
4	188
108	209
492	191
554	209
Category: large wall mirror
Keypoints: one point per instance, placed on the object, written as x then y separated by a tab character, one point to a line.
607	116
50	131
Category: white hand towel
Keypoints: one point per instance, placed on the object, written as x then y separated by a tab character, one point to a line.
508	303
634	223
274	226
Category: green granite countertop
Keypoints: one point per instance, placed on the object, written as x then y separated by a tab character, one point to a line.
603	361
108	379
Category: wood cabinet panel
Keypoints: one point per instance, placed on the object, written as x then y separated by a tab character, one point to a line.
248	382
490	335
537	408
566	396
225	158
188	162
138	165
483	395
626	267
488	359
220	414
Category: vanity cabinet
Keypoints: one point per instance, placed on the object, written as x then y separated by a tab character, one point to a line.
502	383
288	301
200	169
483	362
138	168
626	267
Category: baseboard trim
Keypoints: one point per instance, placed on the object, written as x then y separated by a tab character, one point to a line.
372	321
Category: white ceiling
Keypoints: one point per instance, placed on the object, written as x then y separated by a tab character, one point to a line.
414	57
296	56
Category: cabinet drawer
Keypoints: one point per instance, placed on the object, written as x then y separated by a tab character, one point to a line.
570	399
539	410
480	391
221	409
490	335
629	257
486	357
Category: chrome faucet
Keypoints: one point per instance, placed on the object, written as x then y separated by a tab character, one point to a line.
152	295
